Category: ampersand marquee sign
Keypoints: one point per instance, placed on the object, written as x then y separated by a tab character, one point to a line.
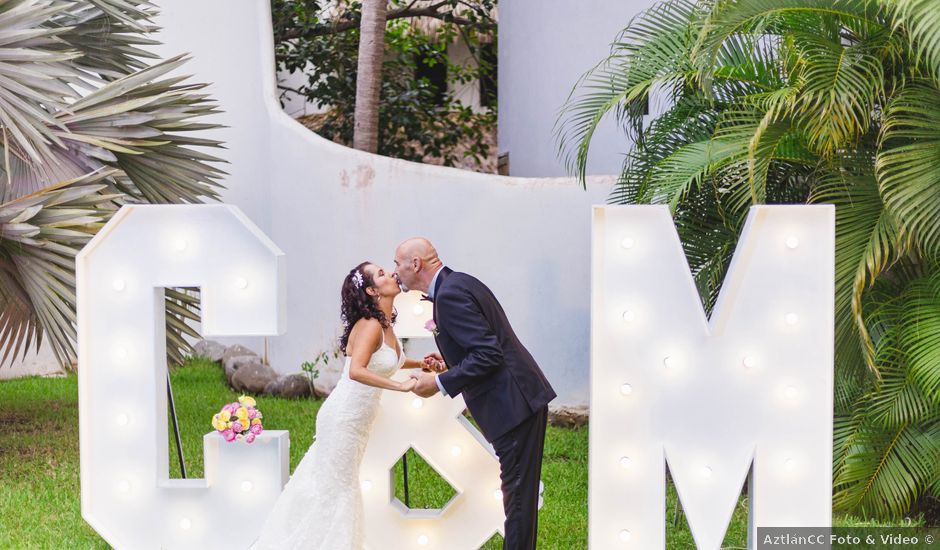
746	393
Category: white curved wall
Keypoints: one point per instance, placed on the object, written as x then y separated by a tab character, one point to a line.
329	207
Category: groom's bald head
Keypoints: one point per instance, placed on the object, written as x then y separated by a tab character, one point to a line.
416	262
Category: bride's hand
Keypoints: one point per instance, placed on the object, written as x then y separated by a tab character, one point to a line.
407	385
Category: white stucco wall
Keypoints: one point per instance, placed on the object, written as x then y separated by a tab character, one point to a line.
329	207
544	48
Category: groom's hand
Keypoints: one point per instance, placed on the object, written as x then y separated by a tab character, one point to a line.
434	362
426	386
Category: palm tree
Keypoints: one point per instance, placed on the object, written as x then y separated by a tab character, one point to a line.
369	75
803	101
87	125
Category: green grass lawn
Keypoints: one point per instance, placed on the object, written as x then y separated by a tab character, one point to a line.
39	481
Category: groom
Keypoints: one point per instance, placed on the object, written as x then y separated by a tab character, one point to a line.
503	387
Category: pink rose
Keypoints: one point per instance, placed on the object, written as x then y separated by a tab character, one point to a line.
250	438
253	413
430	326
256	429
229	435
237	427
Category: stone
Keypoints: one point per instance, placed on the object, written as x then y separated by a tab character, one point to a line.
235	351
232	364
291	386
568	417
253	377
209	349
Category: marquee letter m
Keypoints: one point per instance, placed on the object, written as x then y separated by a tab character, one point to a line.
744	394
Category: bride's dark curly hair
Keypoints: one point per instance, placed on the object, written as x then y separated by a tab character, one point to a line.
357	304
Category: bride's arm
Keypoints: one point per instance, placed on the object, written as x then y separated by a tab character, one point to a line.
367	342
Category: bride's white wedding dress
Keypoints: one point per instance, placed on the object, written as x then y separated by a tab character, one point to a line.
321	505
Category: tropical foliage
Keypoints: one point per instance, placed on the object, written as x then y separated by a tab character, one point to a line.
803	101
417	119
90	120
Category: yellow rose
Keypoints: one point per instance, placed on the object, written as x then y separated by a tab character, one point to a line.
242	413
247	401
217	423
225	416
228	425
255	421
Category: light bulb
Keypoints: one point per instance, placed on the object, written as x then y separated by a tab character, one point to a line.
789	464
749	361
121	353
707	472
119	285
498	494
625	535
625	461
628	316
791	318
247	486
241	283
180	245
668	362
456	450
627	243
124	486
423	540
366	485
792	242
626	389
418	309
417	402
790	392
185	524
122	419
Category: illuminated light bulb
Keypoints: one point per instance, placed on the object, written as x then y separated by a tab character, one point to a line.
625	461
366	485
417	402
625	535
241	283
124	486
707	472
185	524
749	361
792	242
498	494
122	419
790	392
626	389
423	540
180	245
456	450
247	486
119	285
418	309
668	362
789	464
627	243
628	316
121	353
791	318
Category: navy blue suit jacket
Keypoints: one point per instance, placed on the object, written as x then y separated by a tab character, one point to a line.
498	378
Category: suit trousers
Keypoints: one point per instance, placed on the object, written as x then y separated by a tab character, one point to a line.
520	463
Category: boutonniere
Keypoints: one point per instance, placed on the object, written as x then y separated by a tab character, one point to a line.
431	327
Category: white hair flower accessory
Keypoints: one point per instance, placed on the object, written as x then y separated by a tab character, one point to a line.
357	279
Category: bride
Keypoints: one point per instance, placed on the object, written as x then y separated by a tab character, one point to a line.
321	505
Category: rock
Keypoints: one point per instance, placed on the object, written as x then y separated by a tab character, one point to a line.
253	377
294	386
209	349
568	417
233	364
235	351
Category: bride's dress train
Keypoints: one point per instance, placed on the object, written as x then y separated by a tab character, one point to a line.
321	505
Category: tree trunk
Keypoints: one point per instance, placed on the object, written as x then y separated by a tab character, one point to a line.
369	75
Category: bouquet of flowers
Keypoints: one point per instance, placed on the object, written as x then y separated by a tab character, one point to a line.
239	420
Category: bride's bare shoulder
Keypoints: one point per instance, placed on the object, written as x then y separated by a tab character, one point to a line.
366	334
